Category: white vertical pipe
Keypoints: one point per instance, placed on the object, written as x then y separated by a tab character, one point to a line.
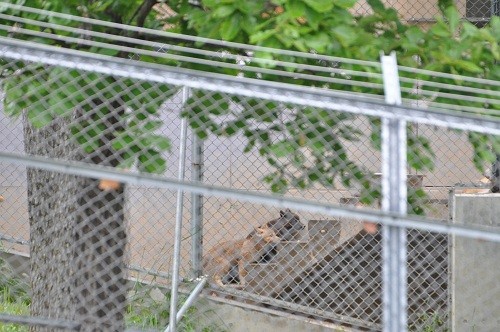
394	199
178	219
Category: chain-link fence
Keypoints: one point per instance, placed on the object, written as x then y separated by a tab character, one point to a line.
424	13
102	244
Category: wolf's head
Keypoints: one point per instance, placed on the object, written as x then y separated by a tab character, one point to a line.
287	225
267	234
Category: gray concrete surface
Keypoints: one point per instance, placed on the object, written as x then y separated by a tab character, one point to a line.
233	317
475	265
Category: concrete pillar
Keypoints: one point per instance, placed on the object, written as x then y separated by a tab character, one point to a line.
475	265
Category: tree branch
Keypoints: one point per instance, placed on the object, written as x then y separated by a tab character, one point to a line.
142	12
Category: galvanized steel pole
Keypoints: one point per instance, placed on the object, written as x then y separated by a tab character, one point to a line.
178	219
394	198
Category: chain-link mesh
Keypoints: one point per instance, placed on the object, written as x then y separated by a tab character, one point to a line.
83	235
113	235
93	253
424	13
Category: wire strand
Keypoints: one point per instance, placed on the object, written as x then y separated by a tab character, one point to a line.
165	46
450	76
454	96
422	83
186	59
191	38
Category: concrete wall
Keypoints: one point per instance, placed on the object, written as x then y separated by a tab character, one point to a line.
475	265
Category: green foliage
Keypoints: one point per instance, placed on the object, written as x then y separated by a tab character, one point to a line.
14	309
486	148
431	322
309	146
147	313
14	298
48	92
328	27
142	311
12	289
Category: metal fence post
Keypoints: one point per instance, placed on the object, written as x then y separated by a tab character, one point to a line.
197	208
394	197
178	218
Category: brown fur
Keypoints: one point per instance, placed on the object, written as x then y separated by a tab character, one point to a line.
218	261
287	227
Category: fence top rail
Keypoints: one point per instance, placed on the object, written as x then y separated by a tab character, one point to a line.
162	51
276	91
450	76
385	218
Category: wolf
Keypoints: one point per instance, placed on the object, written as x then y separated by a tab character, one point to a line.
286	227
220	260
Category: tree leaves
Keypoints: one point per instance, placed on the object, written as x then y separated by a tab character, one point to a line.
45	93
282	148
320	6
230	28
223	11
485	149
345	4
311	141
296	8
420	155
451	13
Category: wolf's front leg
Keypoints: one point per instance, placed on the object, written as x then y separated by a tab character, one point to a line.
218	280
242	272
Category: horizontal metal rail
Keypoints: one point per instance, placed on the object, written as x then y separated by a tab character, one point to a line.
276	91
163	50
337	318
40	321
11	239
210	63
182	37
384	218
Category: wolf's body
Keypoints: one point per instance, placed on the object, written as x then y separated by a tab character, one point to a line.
286	227
222	259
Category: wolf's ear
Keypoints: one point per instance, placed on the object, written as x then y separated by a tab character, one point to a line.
283	213
260	229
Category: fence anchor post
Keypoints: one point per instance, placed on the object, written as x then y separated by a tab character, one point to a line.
178	219
394	199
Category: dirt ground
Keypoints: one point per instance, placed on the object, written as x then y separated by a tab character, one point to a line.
151	211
